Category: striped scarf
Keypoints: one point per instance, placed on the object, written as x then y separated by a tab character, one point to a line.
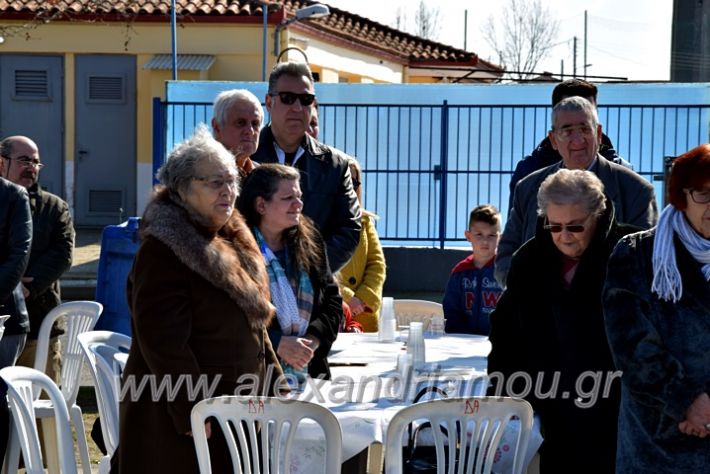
293	298
667	281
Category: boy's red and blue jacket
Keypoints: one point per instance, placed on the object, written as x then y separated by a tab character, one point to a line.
471	296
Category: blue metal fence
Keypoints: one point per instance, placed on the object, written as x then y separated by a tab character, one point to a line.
426	166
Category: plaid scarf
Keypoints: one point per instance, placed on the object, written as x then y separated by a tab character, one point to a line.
293	298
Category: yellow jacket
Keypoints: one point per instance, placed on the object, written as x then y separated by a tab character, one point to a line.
364	275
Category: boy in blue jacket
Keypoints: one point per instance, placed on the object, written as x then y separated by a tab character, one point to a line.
472	291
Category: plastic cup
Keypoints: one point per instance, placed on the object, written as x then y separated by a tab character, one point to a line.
388	328
387	310
436	326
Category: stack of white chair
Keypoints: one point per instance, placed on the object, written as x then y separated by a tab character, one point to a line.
80	316
24	385
100	349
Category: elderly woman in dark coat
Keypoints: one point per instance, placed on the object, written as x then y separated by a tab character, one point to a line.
657	312
200	306
308	303
548	326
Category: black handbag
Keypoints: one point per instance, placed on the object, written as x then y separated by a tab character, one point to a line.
422	459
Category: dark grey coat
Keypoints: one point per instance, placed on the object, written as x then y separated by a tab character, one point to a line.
328	195
633	197
51	254
663	348
15	240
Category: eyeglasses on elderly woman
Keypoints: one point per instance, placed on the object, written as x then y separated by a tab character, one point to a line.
216	182
574	228
699	196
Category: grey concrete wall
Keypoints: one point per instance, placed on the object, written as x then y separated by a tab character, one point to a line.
413	271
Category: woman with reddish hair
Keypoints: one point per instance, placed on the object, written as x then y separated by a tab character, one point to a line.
657	314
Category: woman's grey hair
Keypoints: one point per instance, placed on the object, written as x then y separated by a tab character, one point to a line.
227	99
179	169
291	69
575	104
572	187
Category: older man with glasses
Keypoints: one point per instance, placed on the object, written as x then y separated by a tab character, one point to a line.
328	195
52	245
237	119
576	135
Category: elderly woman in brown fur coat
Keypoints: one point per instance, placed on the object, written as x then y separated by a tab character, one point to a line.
199	300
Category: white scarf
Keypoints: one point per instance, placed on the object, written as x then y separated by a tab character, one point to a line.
667	281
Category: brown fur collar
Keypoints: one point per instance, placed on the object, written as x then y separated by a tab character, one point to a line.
229	260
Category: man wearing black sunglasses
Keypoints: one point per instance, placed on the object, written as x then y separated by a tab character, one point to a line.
576	135
52	245
328	195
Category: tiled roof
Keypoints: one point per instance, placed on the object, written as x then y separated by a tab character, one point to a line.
132	7
339	24
376	35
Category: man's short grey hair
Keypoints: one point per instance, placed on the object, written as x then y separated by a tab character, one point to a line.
179	169
572	187
291	69
227	99
575	104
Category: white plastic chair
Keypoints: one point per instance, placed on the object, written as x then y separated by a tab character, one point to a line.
474	429
24	385
407	311
100	348
81	316
270	420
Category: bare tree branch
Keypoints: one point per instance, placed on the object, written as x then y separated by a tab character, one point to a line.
400	20
427	21
522	35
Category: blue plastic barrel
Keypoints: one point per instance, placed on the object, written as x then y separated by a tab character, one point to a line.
119	244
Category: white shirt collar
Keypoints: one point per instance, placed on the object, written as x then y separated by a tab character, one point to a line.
281	155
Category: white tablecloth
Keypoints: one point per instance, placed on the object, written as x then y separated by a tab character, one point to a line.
366	391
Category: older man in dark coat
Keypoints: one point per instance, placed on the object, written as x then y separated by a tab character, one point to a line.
52	245
545	154
576	134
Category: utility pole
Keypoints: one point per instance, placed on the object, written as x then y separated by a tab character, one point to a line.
574	56
173	38
585	45
562	68
465	29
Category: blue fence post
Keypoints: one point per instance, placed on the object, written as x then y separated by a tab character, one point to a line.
158	136
444	171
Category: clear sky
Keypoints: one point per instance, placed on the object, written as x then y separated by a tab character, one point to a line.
627	38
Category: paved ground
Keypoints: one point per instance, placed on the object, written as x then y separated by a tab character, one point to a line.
80	281
86	254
